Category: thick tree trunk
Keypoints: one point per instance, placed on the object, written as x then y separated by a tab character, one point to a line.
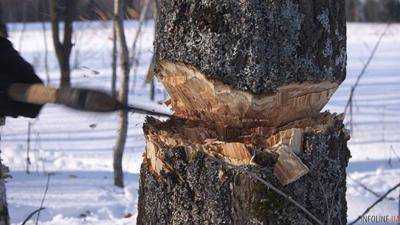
186	180
248	80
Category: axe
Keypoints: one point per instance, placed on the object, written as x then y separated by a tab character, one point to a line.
82	99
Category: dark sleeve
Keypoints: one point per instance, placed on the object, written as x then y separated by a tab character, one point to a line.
14	69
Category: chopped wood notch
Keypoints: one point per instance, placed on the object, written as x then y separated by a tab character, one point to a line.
194	138
253	119
195	97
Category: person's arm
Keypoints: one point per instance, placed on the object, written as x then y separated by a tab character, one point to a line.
14	69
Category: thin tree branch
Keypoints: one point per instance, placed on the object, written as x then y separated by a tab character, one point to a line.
369	190
55	24
68	25
28	148
114	61
375	203
31	215
353	88
46	51
119	10
3	26
44	197
138	32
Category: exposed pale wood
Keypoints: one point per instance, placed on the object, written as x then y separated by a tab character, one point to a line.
186	162
195	97
233	152
290	137
286	142
289	167
32	93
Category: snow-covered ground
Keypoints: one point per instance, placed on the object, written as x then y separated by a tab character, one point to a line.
76	147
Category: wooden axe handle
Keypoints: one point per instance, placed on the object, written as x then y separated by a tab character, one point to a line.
76	98
32	93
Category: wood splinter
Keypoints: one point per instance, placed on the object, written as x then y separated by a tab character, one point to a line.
289	166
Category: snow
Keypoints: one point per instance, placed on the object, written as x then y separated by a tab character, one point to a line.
76	148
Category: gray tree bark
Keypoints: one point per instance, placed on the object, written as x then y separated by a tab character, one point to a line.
114	58
256	45
245	76
199	188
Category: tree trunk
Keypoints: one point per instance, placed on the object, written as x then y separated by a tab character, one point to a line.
4	216
63	48
3	26
114	62
123	93
247	80
65	70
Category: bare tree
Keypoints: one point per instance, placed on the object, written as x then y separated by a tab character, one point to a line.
150	73
65	12
114	58
119	9
126	62
22	33
46	49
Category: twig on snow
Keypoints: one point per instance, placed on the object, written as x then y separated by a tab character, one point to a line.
349	104
368	189
375	203
44	197
31	215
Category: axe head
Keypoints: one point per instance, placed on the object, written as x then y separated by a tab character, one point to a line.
87	100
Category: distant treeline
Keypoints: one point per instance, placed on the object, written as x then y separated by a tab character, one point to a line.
373	10
38	10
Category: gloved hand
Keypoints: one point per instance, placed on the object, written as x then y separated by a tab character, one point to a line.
14	69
